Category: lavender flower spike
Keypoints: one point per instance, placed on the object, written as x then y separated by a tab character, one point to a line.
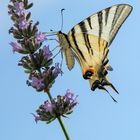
19	8
37	83
47	53
60	106
48	106
69	95
23	24
57	70
16	47
40	37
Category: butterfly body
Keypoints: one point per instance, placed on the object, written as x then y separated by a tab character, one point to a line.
89	42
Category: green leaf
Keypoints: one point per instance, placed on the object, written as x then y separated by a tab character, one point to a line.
11	7
29	6
49	62
34	30
25	3
27	71
50	120
69	112
18	36
28	16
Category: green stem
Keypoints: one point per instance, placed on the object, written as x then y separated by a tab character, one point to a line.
49	94
63	128
60	120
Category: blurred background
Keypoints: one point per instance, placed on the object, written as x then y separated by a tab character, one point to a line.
96	117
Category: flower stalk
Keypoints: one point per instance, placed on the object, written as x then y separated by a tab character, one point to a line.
60	121
63	128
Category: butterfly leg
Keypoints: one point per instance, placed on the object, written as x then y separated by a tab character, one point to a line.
53	39
57	54
55	48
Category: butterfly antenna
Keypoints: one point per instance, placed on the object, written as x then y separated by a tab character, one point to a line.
62	19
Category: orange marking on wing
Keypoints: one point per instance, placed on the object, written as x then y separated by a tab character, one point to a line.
89	69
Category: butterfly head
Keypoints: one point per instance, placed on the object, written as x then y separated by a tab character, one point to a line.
62	37
59	35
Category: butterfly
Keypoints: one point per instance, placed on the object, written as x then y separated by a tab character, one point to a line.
88	42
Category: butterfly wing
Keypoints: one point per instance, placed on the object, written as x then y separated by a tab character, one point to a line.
69	57
104	24
91	38
66	49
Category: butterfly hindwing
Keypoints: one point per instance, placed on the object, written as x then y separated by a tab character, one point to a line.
66	49
70	61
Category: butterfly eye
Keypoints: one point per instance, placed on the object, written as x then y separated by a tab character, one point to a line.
88	74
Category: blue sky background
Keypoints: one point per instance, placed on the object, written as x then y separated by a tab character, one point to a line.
96	117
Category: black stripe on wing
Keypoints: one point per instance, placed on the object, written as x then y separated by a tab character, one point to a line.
88	43
66	37
89	22
83	28
115	18
106	15
115	21
75	43
100	20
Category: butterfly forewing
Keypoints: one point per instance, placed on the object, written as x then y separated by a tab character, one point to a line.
105	23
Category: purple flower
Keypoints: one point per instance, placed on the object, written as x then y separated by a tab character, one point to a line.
69	95
19	8
57	70
16	47
37	83
60	106
37	118
48	106
47	53
23	23
40	37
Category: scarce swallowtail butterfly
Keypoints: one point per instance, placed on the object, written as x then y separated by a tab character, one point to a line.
89	41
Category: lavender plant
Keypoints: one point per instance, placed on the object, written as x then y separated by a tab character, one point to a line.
37	61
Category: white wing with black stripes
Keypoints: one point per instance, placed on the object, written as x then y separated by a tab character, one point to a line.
104	24
89	43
